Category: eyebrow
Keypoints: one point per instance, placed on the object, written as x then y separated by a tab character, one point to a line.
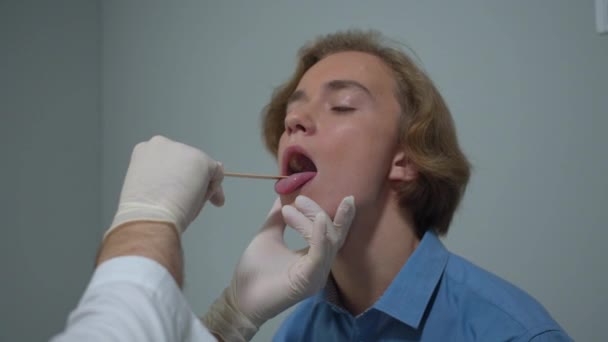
334	85
345	84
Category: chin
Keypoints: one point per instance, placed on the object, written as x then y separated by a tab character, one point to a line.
289	199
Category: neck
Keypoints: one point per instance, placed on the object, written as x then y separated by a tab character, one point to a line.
380	241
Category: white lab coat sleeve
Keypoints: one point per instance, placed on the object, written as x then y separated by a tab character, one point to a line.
133	298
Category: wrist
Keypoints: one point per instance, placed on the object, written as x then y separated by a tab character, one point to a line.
226	321
154	240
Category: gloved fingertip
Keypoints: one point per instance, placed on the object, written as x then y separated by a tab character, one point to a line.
302	200
275	209
347	206
345	212
307	206
321	216
319	242
277	203
288	210
349	201
218	198
218	173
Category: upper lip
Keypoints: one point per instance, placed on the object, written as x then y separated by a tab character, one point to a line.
288	153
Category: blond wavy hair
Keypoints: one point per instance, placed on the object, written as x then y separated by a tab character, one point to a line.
427	132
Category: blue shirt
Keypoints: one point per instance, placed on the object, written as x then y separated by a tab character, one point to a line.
436	296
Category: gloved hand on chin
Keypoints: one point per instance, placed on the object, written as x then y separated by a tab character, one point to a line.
270	277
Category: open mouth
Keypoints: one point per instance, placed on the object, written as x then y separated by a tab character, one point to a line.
299	168
298	163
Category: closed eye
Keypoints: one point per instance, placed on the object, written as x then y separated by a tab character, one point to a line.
342	109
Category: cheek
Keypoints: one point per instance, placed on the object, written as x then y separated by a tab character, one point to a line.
358	163
361	149
361	174
365	181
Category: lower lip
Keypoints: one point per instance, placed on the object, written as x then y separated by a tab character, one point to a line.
294	182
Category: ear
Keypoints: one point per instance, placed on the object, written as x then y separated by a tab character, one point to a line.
402	168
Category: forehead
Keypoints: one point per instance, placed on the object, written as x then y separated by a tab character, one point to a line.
367	69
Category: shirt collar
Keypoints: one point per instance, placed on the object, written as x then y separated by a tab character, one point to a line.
409	294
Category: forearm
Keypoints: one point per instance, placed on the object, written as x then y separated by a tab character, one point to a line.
157	241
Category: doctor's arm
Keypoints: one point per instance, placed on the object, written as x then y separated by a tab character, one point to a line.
134	294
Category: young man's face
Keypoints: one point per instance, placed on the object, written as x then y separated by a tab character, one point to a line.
344	117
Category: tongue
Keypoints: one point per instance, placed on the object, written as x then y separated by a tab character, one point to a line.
292	183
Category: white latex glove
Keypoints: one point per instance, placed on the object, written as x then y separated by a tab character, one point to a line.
270	277
168	181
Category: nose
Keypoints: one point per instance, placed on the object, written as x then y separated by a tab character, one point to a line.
299	121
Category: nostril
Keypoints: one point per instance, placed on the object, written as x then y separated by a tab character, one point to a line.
298	122
295	128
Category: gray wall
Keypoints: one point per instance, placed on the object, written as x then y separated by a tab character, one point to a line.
525	80
50	146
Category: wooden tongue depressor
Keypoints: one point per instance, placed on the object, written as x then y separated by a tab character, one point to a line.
251	175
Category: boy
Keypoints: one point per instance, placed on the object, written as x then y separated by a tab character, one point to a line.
358	117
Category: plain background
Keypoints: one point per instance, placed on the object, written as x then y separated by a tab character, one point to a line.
81	82
50	171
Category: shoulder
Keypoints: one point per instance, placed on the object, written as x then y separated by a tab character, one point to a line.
485	297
